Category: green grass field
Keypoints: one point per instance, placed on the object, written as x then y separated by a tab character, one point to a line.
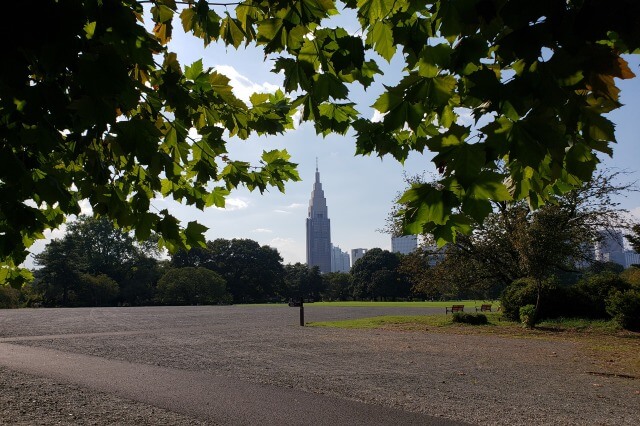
404	322
468	304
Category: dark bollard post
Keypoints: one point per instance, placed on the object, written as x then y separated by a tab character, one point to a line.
301	311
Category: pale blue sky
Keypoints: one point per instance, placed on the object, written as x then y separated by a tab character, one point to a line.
359	190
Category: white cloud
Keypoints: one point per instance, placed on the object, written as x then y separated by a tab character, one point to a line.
85	208
243	88
377	116
281	211
635	213
295	206
289	249
233	204
262	231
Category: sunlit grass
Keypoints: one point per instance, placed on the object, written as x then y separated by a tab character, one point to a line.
580	324
468	304
386	321
404	322
613	351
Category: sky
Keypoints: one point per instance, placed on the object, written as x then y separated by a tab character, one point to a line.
359	190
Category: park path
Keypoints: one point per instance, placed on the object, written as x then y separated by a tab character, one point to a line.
218	399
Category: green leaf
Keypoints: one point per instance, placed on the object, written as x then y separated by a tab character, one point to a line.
90	29
194	233
231	32
217	197
387	101
375	10
192	72
433	59
380	36
489	185
581	162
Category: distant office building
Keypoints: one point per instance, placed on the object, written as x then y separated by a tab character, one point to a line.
318	229
404	244
340	260
610	248
631	258
436	254
357	254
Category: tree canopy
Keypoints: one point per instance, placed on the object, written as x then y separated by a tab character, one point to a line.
94	106
95	264
634	238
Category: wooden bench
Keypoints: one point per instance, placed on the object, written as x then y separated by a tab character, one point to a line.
484	308
454	308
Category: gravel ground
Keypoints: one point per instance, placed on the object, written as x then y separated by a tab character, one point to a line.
477	379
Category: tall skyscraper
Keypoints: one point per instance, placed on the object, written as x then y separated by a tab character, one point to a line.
318	229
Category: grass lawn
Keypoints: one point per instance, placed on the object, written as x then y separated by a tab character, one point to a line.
469	304
614	351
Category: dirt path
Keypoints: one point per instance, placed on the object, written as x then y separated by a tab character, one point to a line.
475	379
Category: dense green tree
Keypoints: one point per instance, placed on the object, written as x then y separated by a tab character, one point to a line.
92	248
95	106
300	280
191	286
632	276
514	242
369	280
60	271
338	286
97	290
196	257
634	237
9	297
253	272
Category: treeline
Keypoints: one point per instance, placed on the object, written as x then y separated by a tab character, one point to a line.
97	264
523	258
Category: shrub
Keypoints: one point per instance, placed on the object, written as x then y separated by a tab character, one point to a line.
521	292
632	276
473	319
624	307
589	294
528	315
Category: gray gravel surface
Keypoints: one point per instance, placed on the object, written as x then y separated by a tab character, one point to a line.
475	379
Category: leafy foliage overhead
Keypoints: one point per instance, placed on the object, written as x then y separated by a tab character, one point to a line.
94	106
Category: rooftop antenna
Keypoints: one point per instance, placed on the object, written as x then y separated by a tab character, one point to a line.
316	164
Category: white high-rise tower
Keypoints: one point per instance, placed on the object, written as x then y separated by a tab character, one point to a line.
318	229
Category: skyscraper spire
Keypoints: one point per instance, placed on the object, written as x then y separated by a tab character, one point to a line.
318	228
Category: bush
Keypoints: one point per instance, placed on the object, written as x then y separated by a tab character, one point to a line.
624	307
631	276
589	294
528	316
473	319
553	299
